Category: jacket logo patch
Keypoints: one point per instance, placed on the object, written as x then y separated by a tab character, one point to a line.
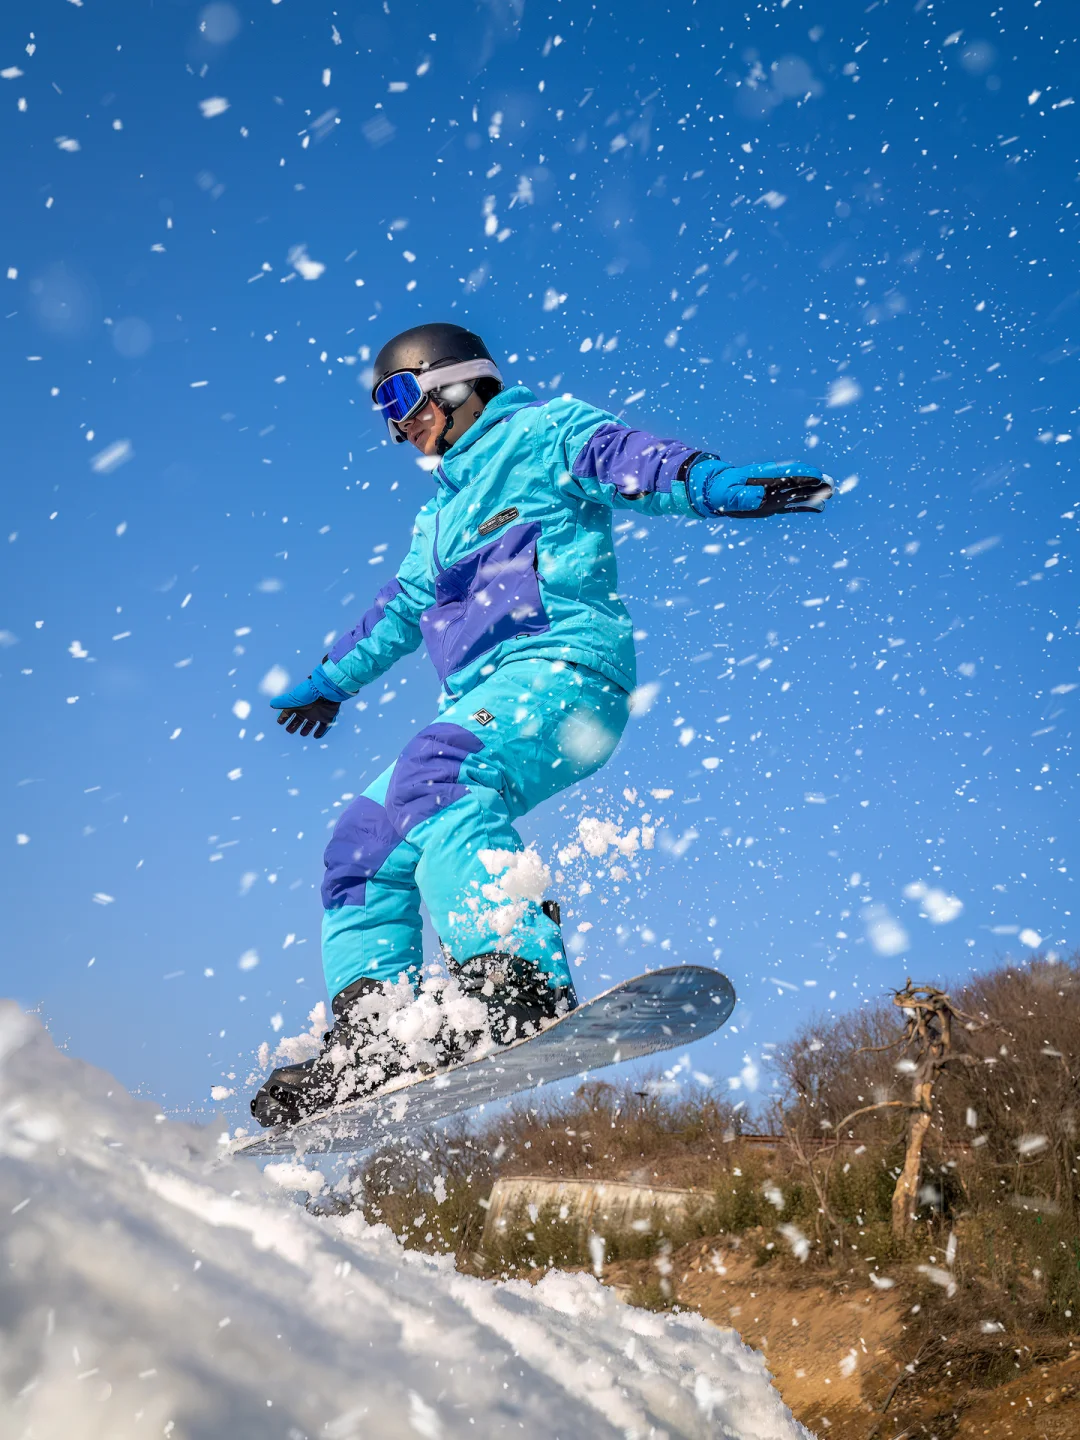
484	717
497	521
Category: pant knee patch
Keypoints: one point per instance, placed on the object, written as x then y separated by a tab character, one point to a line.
426	776
361	844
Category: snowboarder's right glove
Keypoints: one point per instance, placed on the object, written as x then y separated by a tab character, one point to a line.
310	706
717	488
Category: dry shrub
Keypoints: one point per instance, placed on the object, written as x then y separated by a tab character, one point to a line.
1012	1201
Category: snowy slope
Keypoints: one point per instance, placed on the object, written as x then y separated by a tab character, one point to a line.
146	1291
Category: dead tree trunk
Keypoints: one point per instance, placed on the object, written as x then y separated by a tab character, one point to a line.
905	1195
928	1032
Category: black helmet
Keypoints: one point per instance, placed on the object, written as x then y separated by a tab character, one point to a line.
425	347
413	355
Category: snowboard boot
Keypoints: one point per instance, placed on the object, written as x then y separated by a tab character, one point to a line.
515	993
356	1060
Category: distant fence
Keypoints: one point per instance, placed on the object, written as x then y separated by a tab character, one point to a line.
589	1205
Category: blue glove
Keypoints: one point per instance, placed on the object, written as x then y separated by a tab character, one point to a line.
717	488
312	705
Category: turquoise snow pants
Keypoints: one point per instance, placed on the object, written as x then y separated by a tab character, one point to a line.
438	826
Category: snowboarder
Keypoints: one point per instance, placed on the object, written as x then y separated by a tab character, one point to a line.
511	583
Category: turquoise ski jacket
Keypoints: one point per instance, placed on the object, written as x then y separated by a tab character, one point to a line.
513	557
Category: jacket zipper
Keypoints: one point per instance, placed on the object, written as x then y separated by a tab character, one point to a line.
439	568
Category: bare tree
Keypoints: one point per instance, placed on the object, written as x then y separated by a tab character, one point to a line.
929	1035
825	1071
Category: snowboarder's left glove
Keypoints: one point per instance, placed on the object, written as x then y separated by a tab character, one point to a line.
717	488
310	706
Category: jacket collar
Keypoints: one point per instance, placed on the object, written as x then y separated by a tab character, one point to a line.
495	412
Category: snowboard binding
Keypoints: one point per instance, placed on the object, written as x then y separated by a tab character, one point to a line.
359	1058
515	994
356	1060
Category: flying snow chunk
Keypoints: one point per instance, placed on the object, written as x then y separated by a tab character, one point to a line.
292	1176
582	737
644	697
235	774
938	906
249	959
220	23
64	142
980	547
844	390
886	935
216	105
378	131
11	73
102	899
302	263
1031	938
112	457
274	681
772	198
800	1245
1031	1144
938	1276
553	299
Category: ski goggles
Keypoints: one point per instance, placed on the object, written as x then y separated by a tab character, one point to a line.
401	395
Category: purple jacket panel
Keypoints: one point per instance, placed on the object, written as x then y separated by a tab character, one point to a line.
367	622
634	461
489	596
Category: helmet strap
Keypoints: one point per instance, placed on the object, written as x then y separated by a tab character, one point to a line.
442	444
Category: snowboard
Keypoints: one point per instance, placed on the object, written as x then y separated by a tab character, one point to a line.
658	1011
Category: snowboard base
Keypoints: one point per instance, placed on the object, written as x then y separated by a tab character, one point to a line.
657	1011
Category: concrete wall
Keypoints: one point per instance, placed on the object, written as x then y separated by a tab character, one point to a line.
593	1206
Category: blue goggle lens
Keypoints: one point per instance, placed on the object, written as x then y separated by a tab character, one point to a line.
399	396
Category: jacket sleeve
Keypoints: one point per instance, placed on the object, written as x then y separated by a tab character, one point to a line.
608	462
389	630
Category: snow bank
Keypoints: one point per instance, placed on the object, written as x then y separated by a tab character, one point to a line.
149	1289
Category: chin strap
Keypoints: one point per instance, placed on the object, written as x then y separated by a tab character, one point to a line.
441	444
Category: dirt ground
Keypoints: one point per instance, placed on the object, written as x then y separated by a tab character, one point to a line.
838	1351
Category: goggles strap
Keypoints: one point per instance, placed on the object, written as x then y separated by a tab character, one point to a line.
450	374
436	379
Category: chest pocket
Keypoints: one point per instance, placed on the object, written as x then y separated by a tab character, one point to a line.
489	596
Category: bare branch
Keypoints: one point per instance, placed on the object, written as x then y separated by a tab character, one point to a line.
881	1105
879	1049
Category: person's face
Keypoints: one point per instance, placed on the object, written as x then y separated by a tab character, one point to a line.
423	428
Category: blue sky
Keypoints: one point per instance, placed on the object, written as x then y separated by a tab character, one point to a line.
841	231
